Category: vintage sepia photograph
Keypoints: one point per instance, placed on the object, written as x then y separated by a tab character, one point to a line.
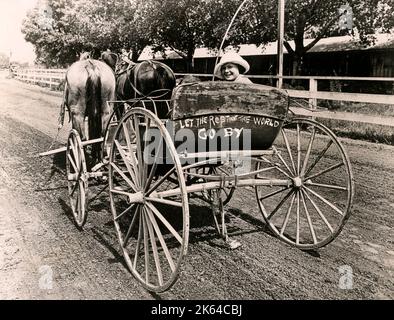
216	151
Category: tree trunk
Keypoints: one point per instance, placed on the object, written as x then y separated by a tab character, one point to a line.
297	68
189	61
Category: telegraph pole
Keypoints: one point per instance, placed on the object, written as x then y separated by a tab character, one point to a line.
281	33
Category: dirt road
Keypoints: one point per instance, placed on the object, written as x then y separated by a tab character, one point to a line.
44	256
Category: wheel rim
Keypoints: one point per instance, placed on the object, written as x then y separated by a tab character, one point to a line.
312	209
152	235
77	179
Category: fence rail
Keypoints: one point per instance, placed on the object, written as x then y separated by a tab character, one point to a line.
54	77
51	77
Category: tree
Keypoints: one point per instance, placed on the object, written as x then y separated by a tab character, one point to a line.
313	19
52	28
4	60
172	24
184	25
68	27
317	19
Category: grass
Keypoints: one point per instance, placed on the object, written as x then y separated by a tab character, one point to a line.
361	131
357	130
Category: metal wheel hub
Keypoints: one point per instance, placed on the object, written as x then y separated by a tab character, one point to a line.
297	182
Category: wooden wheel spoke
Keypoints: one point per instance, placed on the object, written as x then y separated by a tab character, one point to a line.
160	181
222	170
322	153
333	167
139	241
125	178
124	193
128	209
76	185
227	192
153	168
328	186
276	166
74	150
129	146
72	162
161	239
273	193
280	204
165	222
146	247
286	220
319	212
144	165
154	248
165	201
324	200
288	150
298	219
308	151
131	226
308	218
129	168
139	149
298	149
287	167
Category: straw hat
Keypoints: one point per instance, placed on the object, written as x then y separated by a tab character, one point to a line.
231	57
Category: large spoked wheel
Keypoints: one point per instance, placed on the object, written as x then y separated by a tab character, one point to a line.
77	178
312	209
151	213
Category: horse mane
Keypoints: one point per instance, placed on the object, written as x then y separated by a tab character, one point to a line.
110	58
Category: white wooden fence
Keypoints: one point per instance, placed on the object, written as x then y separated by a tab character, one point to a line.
54	77
50	77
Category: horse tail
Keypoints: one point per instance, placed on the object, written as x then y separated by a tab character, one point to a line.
93	100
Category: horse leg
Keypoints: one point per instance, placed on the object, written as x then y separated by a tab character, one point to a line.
62	107
78	120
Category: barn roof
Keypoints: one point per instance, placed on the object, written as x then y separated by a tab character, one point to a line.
331	44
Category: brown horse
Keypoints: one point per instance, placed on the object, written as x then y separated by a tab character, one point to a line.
89	85
149	78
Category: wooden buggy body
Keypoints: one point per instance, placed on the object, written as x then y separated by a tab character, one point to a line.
298	170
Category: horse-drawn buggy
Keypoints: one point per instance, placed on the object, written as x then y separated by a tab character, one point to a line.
205	142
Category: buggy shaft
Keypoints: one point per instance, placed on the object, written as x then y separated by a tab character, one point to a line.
223	184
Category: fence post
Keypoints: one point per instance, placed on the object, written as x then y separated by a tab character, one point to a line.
312	88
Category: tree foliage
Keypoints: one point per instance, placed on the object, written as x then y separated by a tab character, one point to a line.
65	28
68	27
4	60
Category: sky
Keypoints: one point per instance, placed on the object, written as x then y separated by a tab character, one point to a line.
12	13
